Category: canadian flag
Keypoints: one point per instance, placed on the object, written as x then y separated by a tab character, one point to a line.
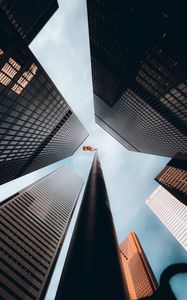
88	148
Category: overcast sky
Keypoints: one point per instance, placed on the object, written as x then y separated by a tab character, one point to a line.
62	48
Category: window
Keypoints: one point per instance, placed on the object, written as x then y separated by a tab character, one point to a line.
9	70
1	52
25	78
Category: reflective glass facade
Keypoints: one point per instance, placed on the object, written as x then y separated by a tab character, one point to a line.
37	126
33	224
139	70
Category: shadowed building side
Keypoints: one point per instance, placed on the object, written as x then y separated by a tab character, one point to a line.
139	276
92	268
139	72
28	17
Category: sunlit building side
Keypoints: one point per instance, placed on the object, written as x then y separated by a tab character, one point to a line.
173	177
138	274
171	212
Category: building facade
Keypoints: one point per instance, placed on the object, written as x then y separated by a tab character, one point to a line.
37	126
33	224
28	17
92	268
139	71
171	212
139	276
174	177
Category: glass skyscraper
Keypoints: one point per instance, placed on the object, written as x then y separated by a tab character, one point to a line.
139	71
37	126
92	269
33	224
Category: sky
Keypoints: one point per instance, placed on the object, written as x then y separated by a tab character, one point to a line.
62	48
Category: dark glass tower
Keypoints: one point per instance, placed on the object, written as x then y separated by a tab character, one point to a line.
139	70
93	268
37	126
28	17
33	224
174	177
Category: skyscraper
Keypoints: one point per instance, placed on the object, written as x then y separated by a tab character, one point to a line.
28	17
33	224
139	276
92	268
174	177
139	70
171	212
37	126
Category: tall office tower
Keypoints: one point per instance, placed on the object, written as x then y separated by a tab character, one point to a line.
92	268
37	126
28	17
33	224
174	177
139	70
171	212
139	276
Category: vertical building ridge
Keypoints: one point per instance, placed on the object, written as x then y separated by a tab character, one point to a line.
92	268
